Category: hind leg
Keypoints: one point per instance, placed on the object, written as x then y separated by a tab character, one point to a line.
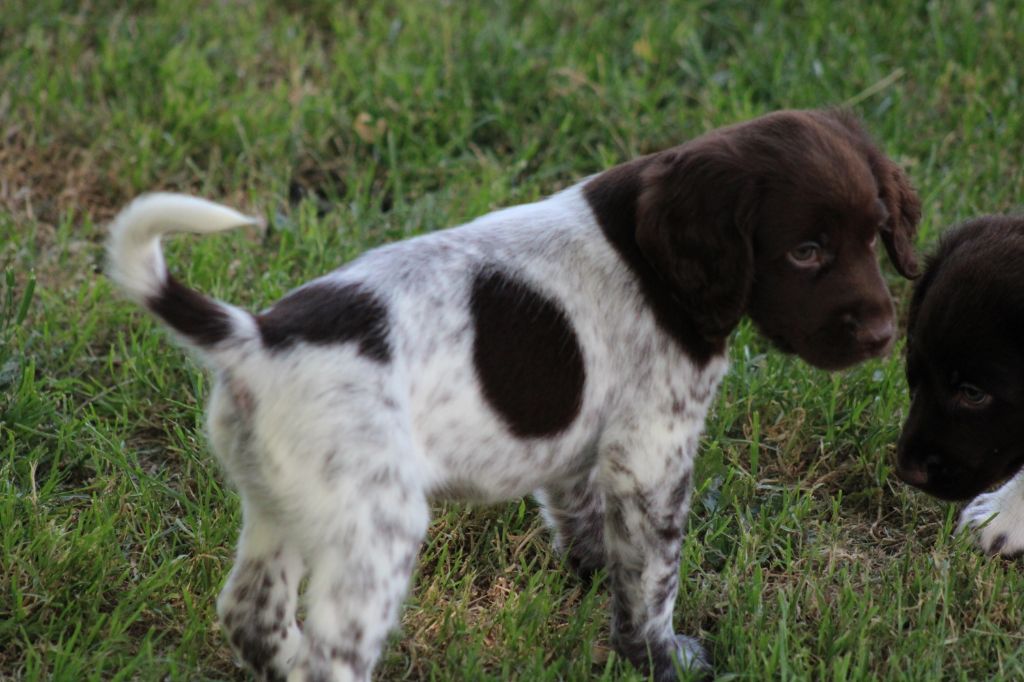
361	549
257	605
256	608
574	510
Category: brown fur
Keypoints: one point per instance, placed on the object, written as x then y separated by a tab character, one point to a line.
526	356
966	339
707	227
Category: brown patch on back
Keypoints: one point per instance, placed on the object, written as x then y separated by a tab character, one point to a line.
326	313
526	355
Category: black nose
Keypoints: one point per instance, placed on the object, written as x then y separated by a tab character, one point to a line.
912	473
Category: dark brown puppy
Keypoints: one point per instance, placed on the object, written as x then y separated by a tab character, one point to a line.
965	368
775	218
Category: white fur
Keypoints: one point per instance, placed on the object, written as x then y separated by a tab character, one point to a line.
336	455
996	519
134	244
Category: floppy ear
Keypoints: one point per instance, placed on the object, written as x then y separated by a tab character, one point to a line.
694	226
895	191
921	287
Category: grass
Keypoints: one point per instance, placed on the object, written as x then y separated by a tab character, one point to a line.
352	124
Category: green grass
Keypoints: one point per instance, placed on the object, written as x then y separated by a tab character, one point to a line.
353	124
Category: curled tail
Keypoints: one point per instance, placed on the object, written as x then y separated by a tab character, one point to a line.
136	264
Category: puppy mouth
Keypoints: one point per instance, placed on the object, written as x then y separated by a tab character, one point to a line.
955	487
877	349
837	356
826	350
919	479
1013	467
782	344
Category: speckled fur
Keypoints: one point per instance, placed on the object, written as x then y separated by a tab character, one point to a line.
569	348
336	454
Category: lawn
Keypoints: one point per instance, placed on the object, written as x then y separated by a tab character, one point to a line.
348	125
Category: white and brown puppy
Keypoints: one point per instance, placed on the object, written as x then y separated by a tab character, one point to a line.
965	368
568	348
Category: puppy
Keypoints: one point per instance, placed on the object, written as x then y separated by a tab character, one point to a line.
568	348
965	369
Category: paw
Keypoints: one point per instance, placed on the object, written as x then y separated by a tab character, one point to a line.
692	657
679	658
1004	533
270	650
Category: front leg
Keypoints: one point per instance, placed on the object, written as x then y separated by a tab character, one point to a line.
647	483
1004	534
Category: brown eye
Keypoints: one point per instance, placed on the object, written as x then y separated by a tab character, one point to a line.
970	396
807	254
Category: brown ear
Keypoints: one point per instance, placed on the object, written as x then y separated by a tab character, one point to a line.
694	215
896	192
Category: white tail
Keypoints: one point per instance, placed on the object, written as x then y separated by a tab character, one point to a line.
136	263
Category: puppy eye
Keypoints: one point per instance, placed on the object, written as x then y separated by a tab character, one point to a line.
806	255
970	396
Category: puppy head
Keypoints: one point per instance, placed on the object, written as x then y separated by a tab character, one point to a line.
778	218
965	363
